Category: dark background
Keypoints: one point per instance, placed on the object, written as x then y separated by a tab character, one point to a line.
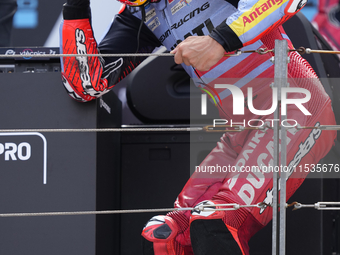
34	21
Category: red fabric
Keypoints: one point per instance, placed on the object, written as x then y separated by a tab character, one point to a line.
168	246
81	75
326	23
252	148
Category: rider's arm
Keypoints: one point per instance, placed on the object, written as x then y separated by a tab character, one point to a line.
87	78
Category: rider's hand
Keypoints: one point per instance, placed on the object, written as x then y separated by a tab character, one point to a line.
201	52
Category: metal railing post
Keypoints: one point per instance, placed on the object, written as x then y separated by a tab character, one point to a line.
280	133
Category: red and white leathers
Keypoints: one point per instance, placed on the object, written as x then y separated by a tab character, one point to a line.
170	22
255	148
327	23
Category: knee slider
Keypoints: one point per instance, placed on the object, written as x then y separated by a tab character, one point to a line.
160	229
159	234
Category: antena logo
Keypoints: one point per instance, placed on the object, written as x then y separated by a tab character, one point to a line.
260	10
239	99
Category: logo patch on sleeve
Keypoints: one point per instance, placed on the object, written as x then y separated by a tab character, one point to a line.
154	24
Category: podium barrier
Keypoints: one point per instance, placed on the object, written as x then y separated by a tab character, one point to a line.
43	172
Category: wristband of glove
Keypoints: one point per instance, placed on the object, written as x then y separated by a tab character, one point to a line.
71	12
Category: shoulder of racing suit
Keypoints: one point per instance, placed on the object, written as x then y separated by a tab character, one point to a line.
254	19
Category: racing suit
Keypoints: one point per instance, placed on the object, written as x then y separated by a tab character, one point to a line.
246	24
327	21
